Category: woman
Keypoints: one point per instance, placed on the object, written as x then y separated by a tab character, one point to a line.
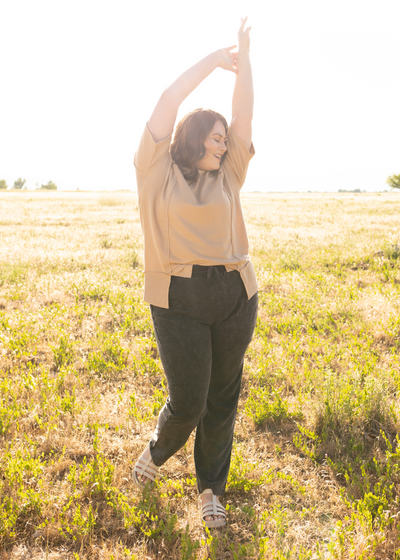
199	280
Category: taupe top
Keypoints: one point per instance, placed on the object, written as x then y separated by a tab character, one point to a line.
190	223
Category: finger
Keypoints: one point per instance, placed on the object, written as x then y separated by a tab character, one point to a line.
243	22
230	48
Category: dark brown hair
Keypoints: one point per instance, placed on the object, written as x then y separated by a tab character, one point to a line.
190	135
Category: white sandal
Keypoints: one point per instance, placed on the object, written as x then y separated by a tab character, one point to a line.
214	508
144	467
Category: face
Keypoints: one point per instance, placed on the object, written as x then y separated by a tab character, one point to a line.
215	145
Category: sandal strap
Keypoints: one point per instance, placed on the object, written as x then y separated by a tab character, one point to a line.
146	467
213	508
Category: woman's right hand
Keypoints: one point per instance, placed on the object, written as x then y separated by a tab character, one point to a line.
227	59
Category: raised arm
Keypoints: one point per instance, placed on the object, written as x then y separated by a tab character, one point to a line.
243	93
162	120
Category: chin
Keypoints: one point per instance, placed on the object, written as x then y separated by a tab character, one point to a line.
208	168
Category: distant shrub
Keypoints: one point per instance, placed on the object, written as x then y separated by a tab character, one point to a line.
50	186
3	184
393	181
19	183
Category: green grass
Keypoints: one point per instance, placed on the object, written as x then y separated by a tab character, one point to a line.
316	462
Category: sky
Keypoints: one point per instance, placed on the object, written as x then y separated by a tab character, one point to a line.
79	80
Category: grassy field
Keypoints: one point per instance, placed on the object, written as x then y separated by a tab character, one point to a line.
316	463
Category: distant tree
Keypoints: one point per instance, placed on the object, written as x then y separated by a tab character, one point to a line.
50	186
19	183
3	184
393	181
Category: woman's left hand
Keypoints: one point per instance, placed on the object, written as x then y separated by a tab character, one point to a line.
244	35
227	59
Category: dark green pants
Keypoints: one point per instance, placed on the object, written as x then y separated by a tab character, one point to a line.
202	339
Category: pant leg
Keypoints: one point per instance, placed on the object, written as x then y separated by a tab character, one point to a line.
183	334
202	339
230	338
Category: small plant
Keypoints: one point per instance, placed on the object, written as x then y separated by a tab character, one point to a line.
159	398
77	523
212	543
391	251
109	201
91	293
279	516
354	410
290	260
13	273
188	547
240	470
96	475
63	353
265	406
106	243
139	414
134	259
307	442
109	357
68	403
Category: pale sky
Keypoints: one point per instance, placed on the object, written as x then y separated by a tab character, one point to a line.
79	80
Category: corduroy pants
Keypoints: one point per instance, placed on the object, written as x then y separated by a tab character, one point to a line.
202	339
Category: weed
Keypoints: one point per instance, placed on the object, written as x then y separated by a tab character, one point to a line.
13	273
240	470
265	406
63	353
391	251
188	548
106	243
355	409
108	357
307	442
290	260
110	201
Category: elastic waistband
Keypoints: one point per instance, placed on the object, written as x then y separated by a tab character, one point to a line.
200	269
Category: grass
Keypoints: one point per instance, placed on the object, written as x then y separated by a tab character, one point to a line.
316	462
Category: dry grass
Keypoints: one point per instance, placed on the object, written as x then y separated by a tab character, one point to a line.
315	469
